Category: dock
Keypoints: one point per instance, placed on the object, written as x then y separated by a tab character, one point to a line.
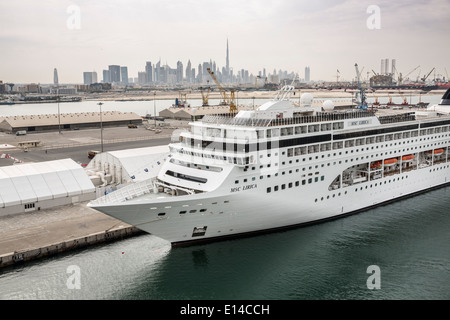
30	236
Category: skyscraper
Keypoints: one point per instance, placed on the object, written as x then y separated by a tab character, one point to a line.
227	68
106	76
149	72
114	71
307	74
55	77
189	72
87	77
179	72
124	75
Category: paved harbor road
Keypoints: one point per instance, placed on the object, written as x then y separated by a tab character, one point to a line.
76	144
77	153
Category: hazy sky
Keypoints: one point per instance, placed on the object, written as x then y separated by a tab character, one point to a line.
38	36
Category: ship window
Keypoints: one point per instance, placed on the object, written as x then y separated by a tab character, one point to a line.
193	211
283	186
161	214
183	212
275	188
202	210
269	190
297	183
290	185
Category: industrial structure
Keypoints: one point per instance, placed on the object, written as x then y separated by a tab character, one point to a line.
67	121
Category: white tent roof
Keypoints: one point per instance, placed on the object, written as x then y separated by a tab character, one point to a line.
31	182
140	163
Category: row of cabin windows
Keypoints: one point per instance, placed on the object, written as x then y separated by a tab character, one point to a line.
297	151
296	183
276	175
287	131
186	211
292	152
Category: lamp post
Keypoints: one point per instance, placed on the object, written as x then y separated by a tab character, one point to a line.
59	114
154	107
101	125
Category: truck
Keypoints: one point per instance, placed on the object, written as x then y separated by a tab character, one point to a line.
21	133
92	153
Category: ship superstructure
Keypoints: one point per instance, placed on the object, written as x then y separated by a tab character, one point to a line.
282	165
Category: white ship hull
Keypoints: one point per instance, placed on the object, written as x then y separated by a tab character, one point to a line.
254	210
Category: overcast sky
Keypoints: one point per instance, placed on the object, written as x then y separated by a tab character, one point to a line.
38	36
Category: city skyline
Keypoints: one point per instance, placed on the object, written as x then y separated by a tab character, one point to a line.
81	36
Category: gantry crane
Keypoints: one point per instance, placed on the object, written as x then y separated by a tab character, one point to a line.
227	99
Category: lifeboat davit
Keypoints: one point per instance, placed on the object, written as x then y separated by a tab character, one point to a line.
376	164
390	162
408	157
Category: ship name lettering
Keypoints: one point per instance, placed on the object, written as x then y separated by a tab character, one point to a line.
361	122
247	187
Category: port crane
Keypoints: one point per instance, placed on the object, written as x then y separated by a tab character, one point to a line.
227	99
362	99
426	76
205	96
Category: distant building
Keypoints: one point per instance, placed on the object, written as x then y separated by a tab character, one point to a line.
106	76
55	77
307	74
142	77
189	72
148	73
179	72
124	75
89	77
114	71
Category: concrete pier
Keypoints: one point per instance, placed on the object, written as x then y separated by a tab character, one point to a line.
30	236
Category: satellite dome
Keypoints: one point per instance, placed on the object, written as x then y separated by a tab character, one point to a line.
306	99
328	105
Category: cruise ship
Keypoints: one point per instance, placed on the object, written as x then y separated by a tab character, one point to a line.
282	165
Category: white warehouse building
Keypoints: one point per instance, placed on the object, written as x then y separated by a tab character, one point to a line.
126	166
37	186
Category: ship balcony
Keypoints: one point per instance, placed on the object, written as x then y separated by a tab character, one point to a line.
215	156
151	189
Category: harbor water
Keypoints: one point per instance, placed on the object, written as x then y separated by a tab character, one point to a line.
399	250
407	243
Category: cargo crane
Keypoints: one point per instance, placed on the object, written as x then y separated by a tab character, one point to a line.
362	99
205	96
426	76
227	99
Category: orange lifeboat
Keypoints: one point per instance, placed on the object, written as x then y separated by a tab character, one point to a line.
408	157
390	162
438	151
